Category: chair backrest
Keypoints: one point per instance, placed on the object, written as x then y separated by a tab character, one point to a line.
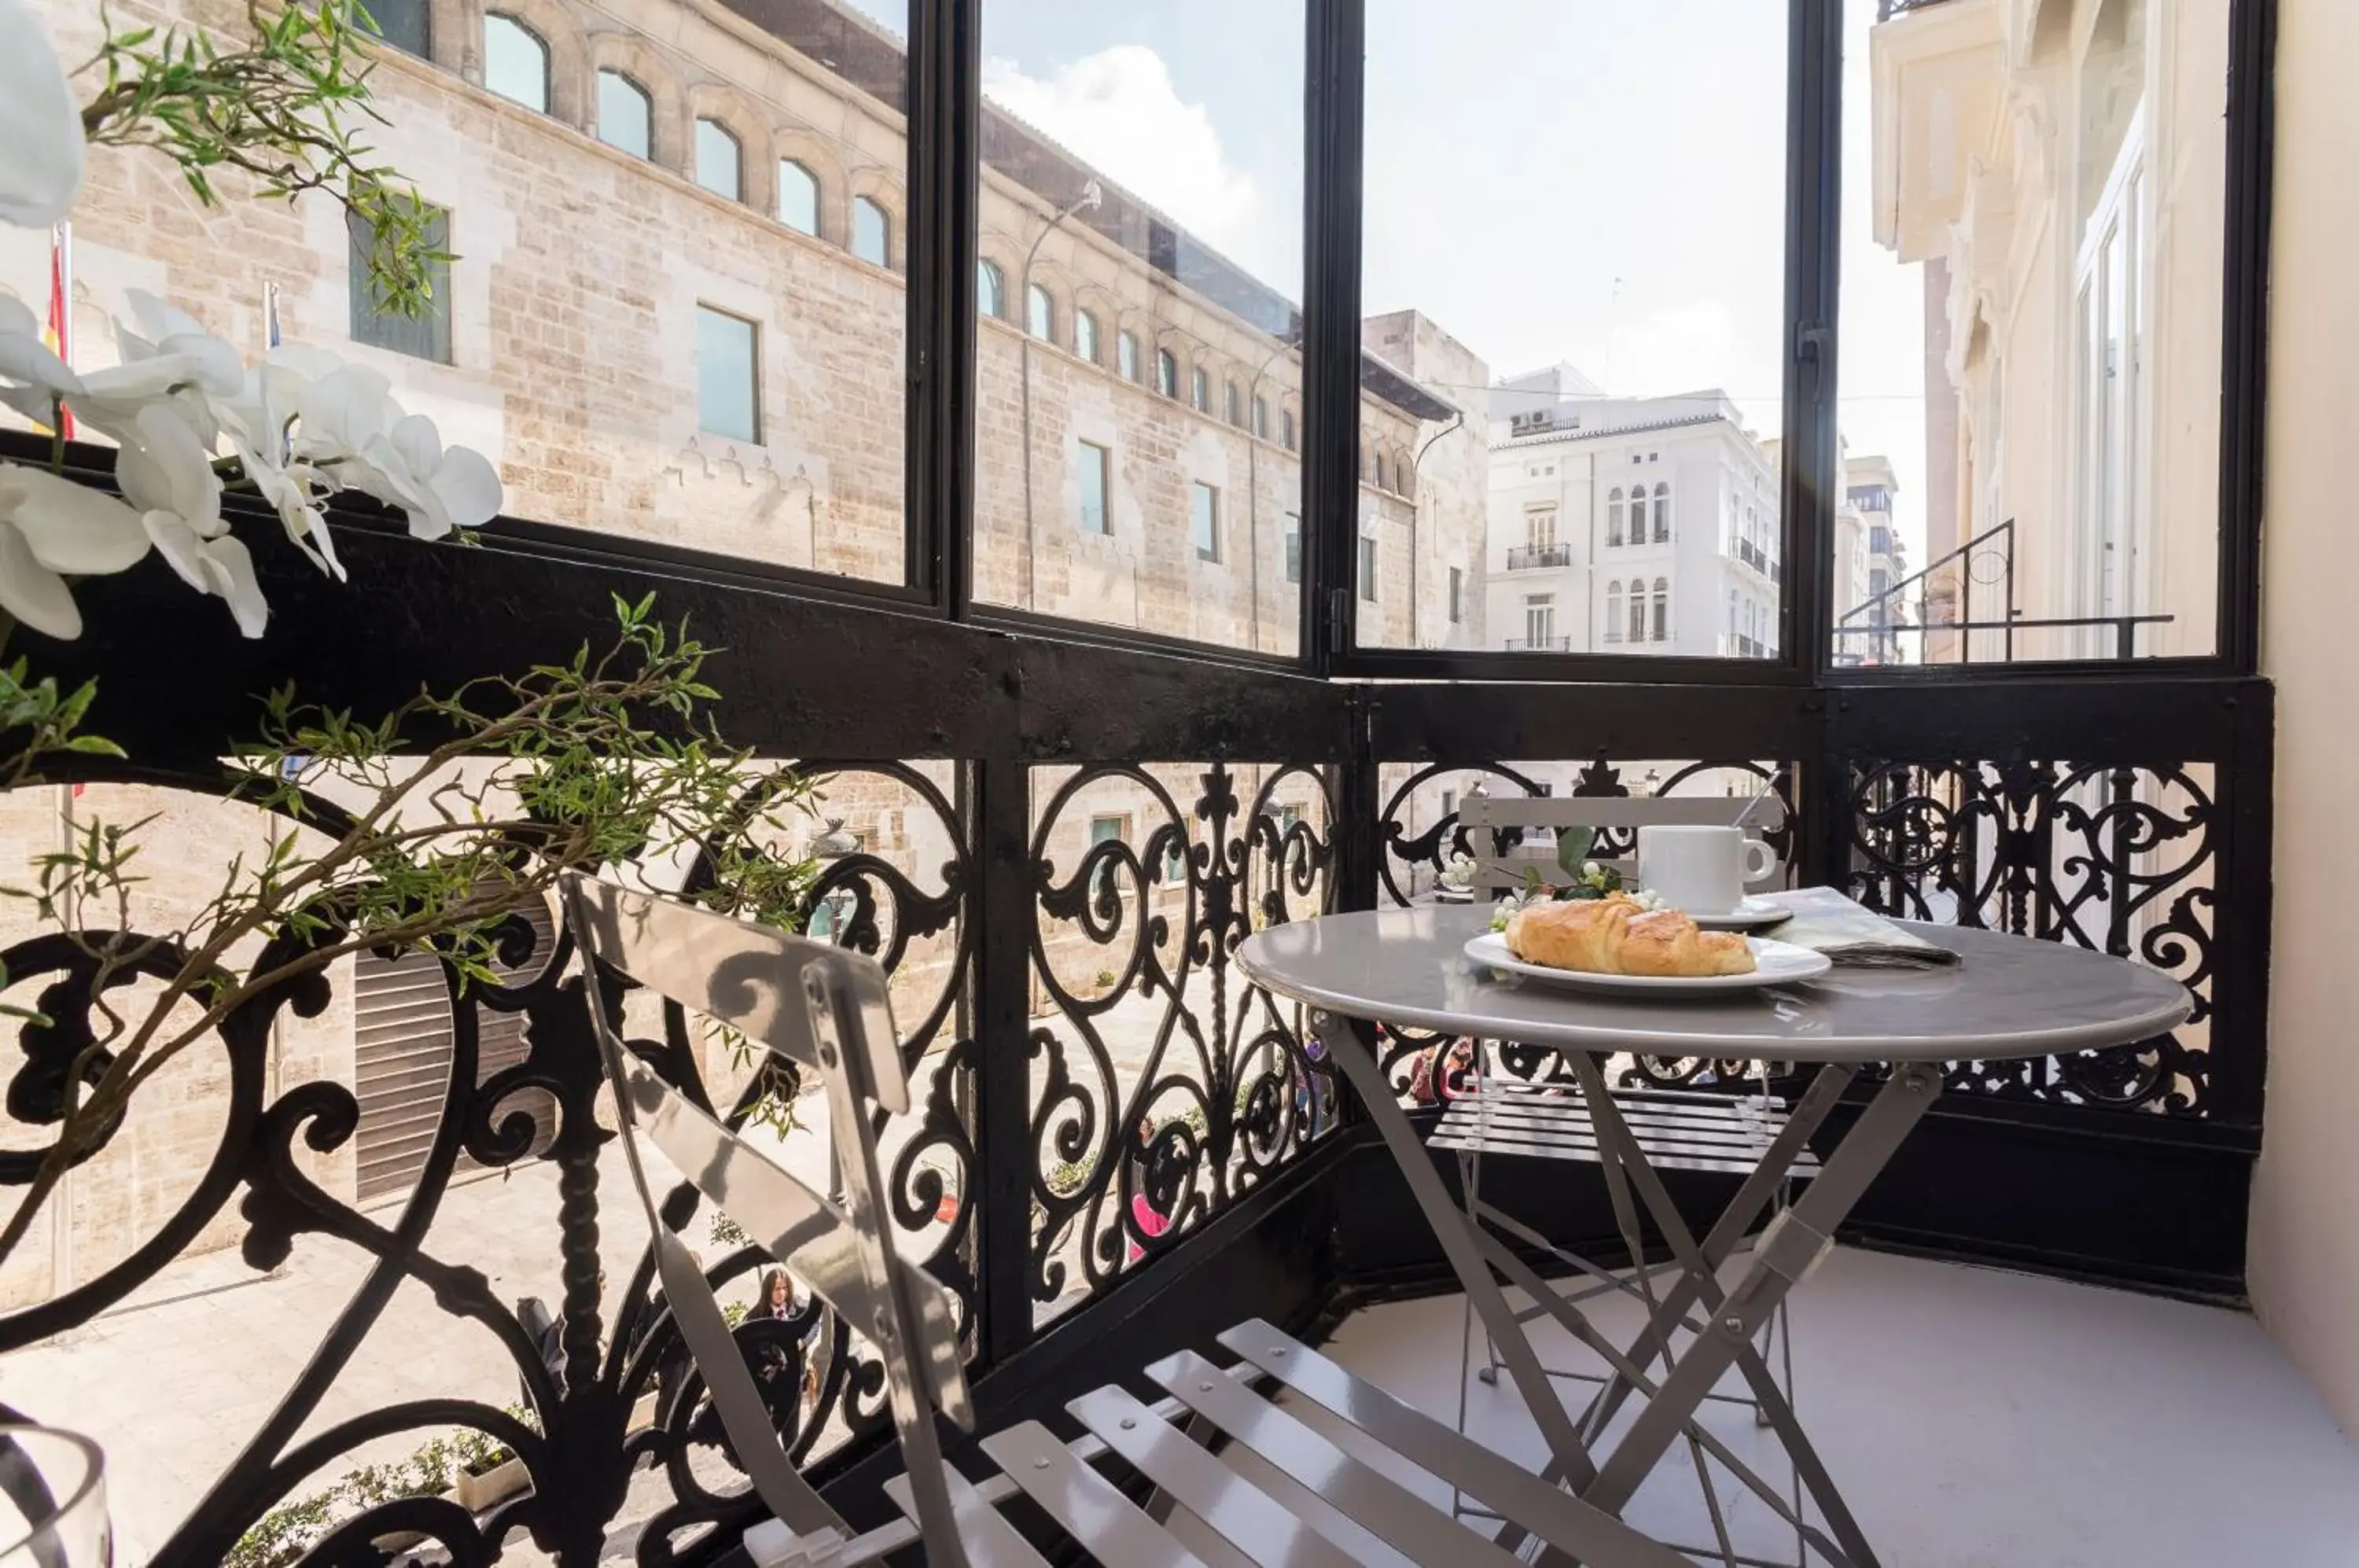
829	1011
1500	868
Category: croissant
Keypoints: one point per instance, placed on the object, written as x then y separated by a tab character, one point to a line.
1614	936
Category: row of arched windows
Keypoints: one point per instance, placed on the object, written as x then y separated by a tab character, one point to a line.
1088	342
516	65
1626	519
1639	622
1387	468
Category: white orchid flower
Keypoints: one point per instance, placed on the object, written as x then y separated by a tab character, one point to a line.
440	487
40	124
170	478
166	332
107	400
51	527
256	423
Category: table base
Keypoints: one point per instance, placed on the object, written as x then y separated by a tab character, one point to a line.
1725	1323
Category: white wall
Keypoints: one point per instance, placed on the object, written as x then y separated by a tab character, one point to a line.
2303	1267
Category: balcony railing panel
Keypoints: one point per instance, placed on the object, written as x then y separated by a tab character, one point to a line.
1531	557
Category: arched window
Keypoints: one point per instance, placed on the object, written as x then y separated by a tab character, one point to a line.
1286	428
1614	516
1085	336
1613	612
1662	513
872	232
1637	513
1261	418
1234	404
516	61
798	197
990	288
1200	390
1125	355
1384	475
1637	610
1167	373
1040	313
720	163
626	113
1662	610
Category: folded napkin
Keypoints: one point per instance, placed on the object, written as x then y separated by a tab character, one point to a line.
1850	933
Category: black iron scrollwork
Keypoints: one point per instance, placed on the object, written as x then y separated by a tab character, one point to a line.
1172	1087
2106	856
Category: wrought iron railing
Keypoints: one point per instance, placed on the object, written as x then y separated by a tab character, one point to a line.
1539	645
1530	556
1870	631
1105	1108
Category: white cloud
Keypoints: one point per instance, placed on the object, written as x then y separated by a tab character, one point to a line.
1119	111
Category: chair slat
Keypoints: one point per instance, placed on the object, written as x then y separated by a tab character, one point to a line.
989	1540
1113	1528
1264	1533
1557	1516
1381	1506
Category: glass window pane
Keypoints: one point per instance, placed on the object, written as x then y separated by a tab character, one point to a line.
717	160
2030	344
404	24
425	335
798	197
872	232
990	288
1619	326
625	115
1149	160
1093	463
516	62
728	400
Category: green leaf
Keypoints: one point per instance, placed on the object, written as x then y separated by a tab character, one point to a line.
1573	848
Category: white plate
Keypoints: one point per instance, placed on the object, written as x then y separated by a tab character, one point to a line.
1751	915
1774	964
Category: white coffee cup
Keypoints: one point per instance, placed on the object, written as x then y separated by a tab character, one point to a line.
1701	870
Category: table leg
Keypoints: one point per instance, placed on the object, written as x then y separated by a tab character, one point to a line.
1780	1260
1347	1045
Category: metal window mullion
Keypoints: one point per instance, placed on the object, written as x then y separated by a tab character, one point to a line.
1334	76
945	116
1813	477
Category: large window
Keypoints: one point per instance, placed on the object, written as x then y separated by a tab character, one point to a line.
1167	373
625	114
425	335
1096	464
1590	344
1293	548
719	160
872	232
516	61
1369	562
1126	354
728	386
990	288
1085	336
1040	313
2030	379
1613	612
404	24
1204	521
798	197
1200	390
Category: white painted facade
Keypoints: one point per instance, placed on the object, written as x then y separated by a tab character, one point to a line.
1594	499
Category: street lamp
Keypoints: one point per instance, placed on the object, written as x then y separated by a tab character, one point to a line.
828	915
1088	200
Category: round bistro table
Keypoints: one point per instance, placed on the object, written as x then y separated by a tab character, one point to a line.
2007	998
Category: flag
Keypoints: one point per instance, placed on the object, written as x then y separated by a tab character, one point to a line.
58	333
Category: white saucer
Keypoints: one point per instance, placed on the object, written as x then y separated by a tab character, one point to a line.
1752	914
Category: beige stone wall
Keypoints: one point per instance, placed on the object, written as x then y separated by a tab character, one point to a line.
2303	1272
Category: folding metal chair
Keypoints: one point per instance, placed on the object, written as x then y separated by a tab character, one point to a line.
1315	1498
1678	1129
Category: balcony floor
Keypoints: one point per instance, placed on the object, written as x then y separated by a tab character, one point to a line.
1979	1419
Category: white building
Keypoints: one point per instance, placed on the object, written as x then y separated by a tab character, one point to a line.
1869	487
1628	525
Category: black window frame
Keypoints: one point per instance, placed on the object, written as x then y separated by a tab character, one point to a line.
937	246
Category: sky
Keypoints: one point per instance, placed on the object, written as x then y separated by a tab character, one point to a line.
1588	181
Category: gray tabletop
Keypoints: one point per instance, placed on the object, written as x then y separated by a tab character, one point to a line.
2008	996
